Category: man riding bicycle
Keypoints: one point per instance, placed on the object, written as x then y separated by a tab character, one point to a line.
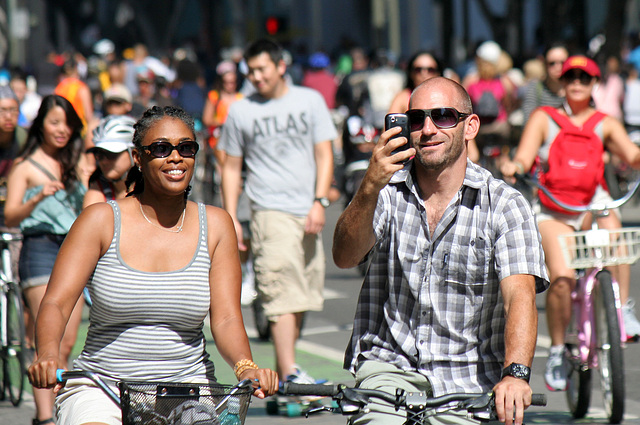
448	302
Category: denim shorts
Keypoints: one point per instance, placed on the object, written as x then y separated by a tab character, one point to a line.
37	256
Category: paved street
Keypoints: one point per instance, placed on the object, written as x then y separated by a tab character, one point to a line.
326	333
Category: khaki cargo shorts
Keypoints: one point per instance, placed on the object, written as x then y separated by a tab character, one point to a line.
289	264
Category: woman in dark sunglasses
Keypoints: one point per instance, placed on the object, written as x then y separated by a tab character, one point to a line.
421	66
156	265
541	141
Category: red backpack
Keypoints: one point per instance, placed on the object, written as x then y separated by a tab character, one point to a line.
575	164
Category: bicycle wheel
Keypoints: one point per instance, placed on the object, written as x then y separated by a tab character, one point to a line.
610	359
578	383
261	321
13	355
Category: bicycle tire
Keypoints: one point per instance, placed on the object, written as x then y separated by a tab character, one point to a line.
578	383
13	355
260	319
610	358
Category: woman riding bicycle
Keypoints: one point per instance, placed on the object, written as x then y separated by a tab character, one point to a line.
157	265
568	151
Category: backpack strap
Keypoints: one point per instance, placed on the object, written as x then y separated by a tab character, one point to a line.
565	123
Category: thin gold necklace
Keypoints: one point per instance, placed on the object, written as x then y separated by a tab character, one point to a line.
178	230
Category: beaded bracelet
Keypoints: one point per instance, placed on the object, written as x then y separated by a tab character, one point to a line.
242	366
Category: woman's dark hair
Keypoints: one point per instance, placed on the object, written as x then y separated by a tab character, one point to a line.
411	62
148	120
70	153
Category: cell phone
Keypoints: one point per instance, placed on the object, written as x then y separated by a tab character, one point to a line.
398	120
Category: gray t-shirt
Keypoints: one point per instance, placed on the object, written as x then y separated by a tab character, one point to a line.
276	137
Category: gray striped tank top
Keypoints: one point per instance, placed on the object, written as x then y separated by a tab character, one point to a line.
148	326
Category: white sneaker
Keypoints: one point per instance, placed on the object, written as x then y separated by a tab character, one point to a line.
555	374
300	377
248	293
631	324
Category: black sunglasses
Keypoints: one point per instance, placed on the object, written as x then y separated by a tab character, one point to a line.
441	117
186	149
555	63
570	76
429	69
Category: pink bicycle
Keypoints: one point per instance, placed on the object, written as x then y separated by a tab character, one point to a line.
595	338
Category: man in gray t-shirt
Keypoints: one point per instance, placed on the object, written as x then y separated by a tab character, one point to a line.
284	135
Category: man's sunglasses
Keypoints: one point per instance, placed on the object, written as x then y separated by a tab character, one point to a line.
441	117
584	78
186	149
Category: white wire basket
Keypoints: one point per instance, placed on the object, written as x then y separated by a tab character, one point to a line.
602	247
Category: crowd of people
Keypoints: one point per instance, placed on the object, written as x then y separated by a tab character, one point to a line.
99	164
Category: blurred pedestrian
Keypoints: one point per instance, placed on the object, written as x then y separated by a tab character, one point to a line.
318	77
284	133
44	197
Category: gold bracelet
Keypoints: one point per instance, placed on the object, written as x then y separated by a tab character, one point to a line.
242	366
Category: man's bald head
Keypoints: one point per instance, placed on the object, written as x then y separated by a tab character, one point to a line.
457	95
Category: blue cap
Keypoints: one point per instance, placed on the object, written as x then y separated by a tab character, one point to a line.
319	60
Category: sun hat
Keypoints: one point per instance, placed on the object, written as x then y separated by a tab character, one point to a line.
489	51
114	133
582	63
118	92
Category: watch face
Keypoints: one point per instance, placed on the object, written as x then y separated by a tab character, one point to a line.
520	371
324	202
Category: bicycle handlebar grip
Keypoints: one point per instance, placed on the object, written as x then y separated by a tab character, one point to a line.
324	390
538	399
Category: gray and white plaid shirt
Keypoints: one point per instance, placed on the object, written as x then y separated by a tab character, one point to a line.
433	304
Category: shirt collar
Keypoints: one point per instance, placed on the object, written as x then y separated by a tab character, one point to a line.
473	176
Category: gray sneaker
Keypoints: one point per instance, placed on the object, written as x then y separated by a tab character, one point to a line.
631	324
555	374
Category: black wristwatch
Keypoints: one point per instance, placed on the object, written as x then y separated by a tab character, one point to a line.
323	201
517	371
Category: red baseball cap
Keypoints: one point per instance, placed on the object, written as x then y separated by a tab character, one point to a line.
583	63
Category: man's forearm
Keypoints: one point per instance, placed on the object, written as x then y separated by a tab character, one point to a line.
354	236
521	327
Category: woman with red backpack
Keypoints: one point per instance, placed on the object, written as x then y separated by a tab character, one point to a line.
566	146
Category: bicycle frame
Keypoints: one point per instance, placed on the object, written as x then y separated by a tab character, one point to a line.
596	305
582	304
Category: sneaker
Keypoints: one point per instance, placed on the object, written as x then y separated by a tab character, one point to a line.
631	324
300	377
248	293
555	374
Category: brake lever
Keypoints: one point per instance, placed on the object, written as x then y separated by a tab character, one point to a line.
482	408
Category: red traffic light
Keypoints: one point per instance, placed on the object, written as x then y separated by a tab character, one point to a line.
272	25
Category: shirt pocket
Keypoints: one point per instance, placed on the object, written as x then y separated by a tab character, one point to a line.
466	281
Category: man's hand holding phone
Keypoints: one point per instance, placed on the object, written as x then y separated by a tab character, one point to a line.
390	154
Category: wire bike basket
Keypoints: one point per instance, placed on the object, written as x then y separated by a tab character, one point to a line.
601	247
146	403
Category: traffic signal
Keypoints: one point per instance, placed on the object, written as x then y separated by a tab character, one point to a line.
275	25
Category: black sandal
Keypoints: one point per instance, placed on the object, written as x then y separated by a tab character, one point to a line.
42	422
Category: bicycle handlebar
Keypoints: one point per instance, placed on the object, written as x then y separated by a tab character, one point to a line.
398	400
62	375
593	207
